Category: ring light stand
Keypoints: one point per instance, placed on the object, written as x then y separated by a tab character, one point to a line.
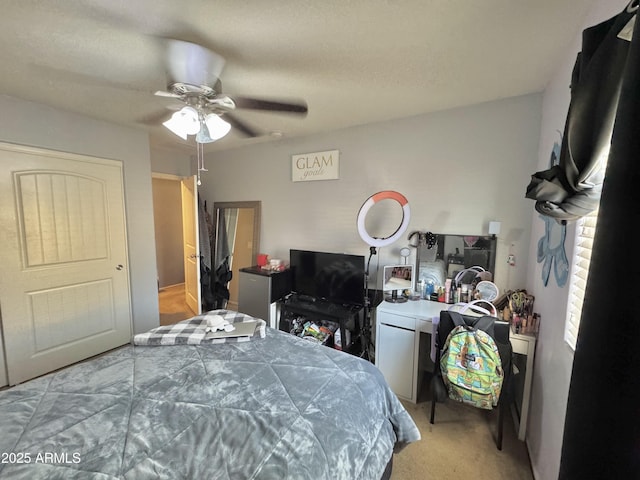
374	243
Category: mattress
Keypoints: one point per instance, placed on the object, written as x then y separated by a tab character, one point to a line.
274	407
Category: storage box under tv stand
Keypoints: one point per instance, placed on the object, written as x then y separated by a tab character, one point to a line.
346	316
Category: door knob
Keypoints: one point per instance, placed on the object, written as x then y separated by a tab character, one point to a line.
119	267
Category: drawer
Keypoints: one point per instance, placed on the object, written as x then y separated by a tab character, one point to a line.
519	346
408	323
424	326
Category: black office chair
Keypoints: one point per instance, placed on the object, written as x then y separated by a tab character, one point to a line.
500	333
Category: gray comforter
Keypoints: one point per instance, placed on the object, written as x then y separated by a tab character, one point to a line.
277	407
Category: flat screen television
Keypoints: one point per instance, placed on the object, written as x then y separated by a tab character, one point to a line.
336	277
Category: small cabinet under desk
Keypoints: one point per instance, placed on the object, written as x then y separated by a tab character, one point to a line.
403	350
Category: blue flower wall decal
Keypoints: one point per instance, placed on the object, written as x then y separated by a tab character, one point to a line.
551	251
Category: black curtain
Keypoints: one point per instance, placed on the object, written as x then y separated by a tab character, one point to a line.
602	425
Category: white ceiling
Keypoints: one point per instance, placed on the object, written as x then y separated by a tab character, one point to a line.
353	61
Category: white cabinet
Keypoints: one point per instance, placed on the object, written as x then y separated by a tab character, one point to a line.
395	354
401	349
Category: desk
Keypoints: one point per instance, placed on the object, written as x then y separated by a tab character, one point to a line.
403	357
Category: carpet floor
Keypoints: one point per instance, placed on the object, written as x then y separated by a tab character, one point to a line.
173	306
460	444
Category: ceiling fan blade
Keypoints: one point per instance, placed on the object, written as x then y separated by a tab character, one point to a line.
192	64
161	93
58	75
299	107
163	27
241	126
156	118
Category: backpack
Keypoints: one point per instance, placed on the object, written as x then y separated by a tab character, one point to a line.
470	363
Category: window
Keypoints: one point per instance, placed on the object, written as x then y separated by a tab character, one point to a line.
585	232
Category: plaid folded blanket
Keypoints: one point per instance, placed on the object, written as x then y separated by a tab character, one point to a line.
193	331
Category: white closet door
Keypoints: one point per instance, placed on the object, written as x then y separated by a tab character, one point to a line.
65	280
190	236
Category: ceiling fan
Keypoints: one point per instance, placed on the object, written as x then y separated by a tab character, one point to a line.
193	73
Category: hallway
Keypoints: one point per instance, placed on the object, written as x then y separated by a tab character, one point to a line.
173	307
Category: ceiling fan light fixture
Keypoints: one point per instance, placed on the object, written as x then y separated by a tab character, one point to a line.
175	126
216	126
184	122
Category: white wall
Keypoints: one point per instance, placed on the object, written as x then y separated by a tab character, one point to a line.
173	162
28	123
459	169
554	358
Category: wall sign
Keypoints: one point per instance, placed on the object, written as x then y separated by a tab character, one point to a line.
307	167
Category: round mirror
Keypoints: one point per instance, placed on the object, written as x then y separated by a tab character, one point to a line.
487	290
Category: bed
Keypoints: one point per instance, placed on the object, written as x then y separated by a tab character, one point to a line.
272	407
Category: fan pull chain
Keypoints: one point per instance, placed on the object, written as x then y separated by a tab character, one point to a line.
200	155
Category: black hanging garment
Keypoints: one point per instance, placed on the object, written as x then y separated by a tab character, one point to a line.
204	238
571	189
602	425
222	274
222	278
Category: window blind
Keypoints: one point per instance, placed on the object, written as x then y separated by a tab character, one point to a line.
585	233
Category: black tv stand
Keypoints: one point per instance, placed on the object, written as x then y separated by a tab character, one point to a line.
348	317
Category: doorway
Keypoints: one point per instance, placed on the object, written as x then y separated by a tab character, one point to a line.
172	305
170	252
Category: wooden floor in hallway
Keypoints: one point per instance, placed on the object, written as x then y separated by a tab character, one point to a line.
173	306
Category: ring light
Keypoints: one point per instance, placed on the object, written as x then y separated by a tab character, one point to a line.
370	202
